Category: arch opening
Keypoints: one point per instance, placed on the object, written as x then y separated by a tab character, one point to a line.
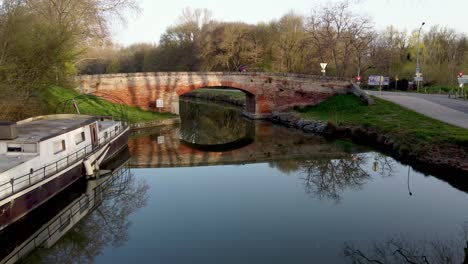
223	93
213	127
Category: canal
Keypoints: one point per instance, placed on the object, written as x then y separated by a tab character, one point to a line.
223	189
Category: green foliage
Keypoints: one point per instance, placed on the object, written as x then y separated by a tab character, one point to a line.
405	126
40	42
438	89
93	105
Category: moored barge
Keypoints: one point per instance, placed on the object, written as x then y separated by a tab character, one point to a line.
41	156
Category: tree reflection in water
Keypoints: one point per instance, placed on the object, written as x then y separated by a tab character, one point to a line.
329	178
402	250
210	125
106	226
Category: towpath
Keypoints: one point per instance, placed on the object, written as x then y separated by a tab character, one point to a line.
440	107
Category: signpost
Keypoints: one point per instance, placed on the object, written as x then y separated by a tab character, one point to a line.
462	80
323	65
378	80
381	80
418	78
358	80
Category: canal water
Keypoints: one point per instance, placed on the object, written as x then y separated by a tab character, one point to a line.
223	189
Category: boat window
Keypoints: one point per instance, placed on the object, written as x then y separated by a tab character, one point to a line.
106	135
59	146
116	128
14	147
79	138
22	148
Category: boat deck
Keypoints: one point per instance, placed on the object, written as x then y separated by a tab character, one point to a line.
10	161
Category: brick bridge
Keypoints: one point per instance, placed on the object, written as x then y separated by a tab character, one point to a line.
265	92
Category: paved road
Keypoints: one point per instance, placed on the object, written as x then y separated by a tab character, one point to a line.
448	110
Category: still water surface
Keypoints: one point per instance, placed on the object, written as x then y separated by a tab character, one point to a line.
221	189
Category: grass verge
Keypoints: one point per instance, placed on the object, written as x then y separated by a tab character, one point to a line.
405	127
439	89
92	105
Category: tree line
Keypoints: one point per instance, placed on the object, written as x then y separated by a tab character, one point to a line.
348	42
43	41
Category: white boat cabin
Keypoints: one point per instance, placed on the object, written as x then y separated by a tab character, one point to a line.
37	143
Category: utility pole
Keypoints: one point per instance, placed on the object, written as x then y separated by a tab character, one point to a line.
418	68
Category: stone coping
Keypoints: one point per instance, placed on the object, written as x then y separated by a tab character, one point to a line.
265	74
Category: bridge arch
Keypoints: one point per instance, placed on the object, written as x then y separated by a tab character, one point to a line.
266	92
250	99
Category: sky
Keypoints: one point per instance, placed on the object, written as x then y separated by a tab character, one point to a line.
155	16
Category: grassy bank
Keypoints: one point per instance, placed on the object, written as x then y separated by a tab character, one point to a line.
406	129
93	105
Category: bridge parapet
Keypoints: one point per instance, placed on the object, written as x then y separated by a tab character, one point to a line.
265	92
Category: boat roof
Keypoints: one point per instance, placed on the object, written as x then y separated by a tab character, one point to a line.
10	161
41	128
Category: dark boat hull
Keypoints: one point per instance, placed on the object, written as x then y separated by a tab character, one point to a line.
117	145
19	207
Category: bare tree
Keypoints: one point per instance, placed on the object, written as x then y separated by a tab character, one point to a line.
333	29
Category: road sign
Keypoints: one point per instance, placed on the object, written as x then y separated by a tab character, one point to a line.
323	71
419	74
378	80
463	79
418	79
323	65
161	140
159	103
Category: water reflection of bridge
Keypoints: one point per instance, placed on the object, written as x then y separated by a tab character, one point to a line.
164	148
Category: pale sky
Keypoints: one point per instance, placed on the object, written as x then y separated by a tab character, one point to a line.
156	16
